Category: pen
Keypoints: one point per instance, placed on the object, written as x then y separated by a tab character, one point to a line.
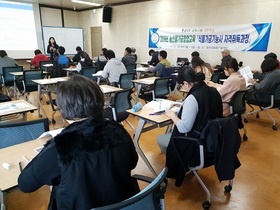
157	113
20	166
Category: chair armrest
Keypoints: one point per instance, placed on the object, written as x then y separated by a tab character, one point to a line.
142	178
188	138
147	179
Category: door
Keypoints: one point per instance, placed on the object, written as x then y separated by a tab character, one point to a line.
96	40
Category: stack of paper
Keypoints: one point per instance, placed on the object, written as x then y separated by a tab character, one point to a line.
247	74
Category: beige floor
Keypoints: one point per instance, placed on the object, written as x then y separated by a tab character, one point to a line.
256	185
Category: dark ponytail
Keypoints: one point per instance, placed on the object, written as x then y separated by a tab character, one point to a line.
189	75
200	76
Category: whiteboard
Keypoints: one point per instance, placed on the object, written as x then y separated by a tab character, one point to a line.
69	38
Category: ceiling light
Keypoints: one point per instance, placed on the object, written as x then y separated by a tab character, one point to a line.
86	2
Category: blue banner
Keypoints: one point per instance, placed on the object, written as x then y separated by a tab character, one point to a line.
246	37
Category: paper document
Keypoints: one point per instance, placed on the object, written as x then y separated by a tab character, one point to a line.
141	69
12	106
51	133
247	74
162	105
97	74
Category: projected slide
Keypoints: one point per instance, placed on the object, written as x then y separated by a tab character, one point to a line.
17	26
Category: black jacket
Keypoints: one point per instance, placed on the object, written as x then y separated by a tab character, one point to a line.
222	142
209	107
88	165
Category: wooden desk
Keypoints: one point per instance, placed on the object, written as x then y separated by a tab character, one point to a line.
140	82
98	75
155	121
13	155
16	107
45	82
70	70
107	89
19	74
141	70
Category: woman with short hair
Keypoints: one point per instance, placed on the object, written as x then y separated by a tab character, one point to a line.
89	163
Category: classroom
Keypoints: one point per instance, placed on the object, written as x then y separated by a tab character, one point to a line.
255	185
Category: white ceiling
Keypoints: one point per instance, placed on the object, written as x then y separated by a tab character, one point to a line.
67	4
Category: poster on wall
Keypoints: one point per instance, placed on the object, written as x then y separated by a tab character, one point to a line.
246	37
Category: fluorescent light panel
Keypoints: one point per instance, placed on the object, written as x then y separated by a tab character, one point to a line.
86	2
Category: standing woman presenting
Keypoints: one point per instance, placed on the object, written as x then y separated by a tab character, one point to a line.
52	48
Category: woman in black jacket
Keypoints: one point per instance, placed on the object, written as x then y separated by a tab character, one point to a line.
201	104
89	163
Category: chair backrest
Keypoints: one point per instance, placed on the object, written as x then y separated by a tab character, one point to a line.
4	98
100	65
121	102
22	131
8	78
161	87
166	72
237	103
88	71
131	68
125	80
276	96
42	63
58	70
30	75
216	77
149	198
182	59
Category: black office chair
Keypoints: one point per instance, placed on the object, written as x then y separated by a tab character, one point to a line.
131	68
182	61
160	89
42	65
216	77
238	106
88	71
265	101
58	70
4	98
48	68
8	79
28	84
125	80
120	102
100	65
217	144
22	131
150	198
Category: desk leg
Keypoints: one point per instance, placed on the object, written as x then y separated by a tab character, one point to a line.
140	126
39	102
138	74
138	88
2	200
16	91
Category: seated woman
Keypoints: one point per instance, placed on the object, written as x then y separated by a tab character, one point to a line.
270	69
85	61
233	83
89	163
201	104
199	66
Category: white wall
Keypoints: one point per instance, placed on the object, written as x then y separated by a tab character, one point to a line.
130	24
